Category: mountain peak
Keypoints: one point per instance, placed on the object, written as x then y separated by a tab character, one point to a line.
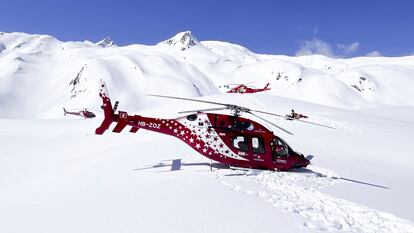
106	43
182	41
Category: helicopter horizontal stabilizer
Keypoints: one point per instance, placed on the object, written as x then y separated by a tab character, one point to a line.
122	122
104	126
134	130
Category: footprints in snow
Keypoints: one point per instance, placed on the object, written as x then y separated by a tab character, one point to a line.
299	193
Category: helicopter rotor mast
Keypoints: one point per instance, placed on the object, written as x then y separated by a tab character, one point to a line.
237	110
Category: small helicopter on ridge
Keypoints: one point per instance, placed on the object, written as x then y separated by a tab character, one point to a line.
244	89
228	139
85	113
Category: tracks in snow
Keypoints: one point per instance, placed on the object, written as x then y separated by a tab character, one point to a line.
299	193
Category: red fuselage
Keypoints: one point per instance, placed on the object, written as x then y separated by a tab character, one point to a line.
83	113
243	89
227	139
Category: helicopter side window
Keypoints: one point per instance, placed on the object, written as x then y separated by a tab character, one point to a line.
192	117
240	125
258	145
240	143
279	148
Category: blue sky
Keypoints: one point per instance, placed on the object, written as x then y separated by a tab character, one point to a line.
332	27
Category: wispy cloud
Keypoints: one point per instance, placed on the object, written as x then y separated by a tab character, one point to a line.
348	49
315	46
318	46
374	54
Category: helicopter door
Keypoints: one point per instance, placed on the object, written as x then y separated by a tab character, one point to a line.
280	151
241	144
258	148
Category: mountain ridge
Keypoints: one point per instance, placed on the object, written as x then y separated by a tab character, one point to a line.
36	65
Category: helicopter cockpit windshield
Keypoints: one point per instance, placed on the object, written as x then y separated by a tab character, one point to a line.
279	148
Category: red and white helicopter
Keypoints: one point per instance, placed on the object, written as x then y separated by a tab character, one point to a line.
228	139
244	89
85	113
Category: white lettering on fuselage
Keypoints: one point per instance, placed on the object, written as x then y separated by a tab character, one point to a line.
149	125
281	161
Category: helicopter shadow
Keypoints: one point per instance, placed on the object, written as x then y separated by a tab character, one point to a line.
306	170
177	164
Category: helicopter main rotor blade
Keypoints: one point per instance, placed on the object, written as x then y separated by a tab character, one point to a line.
284	130
203	110
188	99
239	83
268	113
238	110
326	126
274	114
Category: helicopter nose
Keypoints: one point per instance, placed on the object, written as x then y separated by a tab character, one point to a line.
301	162
307	162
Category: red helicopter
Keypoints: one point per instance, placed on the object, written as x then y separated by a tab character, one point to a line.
243	89
228	139
85	113
295	116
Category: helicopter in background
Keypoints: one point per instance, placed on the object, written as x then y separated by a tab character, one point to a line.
244	89
225	138
295	116
85	113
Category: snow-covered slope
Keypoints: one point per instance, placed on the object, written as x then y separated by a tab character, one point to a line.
39	74
66	179
56	175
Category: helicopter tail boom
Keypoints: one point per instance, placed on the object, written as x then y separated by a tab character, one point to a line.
122	119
